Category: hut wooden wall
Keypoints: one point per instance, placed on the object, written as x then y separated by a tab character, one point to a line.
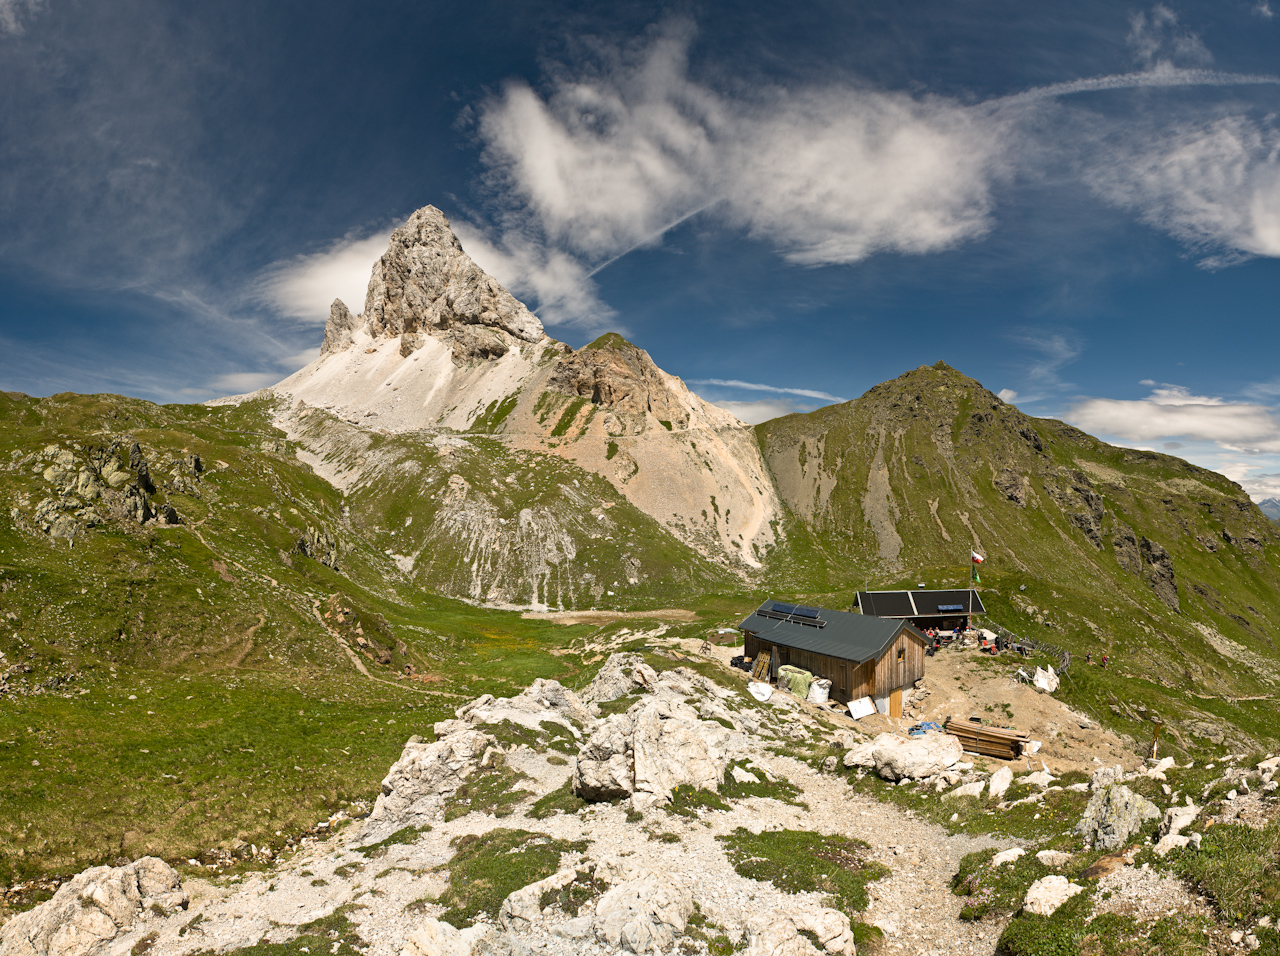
891	673
849	680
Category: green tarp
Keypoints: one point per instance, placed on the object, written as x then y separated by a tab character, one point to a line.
795	679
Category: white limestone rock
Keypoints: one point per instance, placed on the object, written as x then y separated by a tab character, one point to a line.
621	674
915	757
425	774
1046	894
89	911
643	915
1000	781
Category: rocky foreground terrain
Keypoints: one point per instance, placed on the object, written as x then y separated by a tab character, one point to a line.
667	810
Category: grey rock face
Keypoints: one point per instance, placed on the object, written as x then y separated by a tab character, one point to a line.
425	283
91	910
338	330
1159	572
1114	814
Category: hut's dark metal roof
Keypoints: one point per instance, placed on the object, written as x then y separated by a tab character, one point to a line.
851	637
921	603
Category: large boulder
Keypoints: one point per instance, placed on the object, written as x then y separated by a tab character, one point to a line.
778	934
644	914
524	906
89	911
999	783
426	774
622	674
435	938
915	757
657	745
1114	814
1046	894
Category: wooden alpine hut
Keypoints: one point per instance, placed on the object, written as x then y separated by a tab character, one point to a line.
862	656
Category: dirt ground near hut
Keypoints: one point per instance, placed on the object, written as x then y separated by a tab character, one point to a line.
965	683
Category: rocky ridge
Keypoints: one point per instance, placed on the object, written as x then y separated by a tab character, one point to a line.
633	875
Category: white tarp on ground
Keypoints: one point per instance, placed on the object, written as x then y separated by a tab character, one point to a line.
759	691
1045	680
862	707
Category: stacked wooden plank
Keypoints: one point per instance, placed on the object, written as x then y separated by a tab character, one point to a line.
761	669
979	738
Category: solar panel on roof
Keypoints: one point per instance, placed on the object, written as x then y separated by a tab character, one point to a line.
793	610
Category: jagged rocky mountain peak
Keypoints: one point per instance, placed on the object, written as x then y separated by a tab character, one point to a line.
426	284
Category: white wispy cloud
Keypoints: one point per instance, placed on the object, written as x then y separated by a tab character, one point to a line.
1213	185
12	12
753	413
757	387
612	154
305	286
1157	40
1171	412
608	161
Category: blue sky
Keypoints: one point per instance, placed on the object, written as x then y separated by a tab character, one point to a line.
1077	205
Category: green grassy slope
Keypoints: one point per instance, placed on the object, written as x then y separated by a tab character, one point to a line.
174	688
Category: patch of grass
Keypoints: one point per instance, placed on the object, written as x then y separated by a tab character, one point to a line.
567	417
347	870
560	800
1238	868
1058	935
490	867
611	450
781	789
584	888
687	801
403	835
556	760
801	861
334	934
491	790
1113	935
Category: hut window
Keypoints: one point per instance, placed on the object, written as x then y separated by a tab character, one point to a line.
902	654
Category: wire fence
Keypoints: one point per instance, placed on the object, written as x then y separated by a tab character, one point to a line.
1032	644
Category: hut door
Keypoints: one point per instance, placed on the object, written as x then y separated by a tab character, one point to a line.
895	702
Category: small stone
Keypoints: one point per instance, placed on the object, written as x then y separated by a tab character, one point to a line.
1007	856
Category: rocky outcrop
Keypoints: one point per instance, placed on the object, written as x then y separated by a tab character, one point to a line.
425	774
656	746
92	909
778	934
541	701
425	283
645	914
621	674
319	544
614	374
1114	815
338	330
435	938
1159	572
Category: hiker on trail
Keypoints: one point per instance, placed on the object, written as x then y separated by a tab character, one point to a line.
1088	657
1104	660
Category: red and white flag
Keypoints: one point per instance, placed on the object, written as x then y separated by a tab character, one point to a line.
975	557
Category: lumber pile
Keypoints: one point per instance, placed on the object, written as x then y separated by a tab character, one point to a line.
761	669
978	738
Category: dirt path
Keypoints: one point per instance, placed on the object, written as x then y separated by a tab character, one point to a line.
608	617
